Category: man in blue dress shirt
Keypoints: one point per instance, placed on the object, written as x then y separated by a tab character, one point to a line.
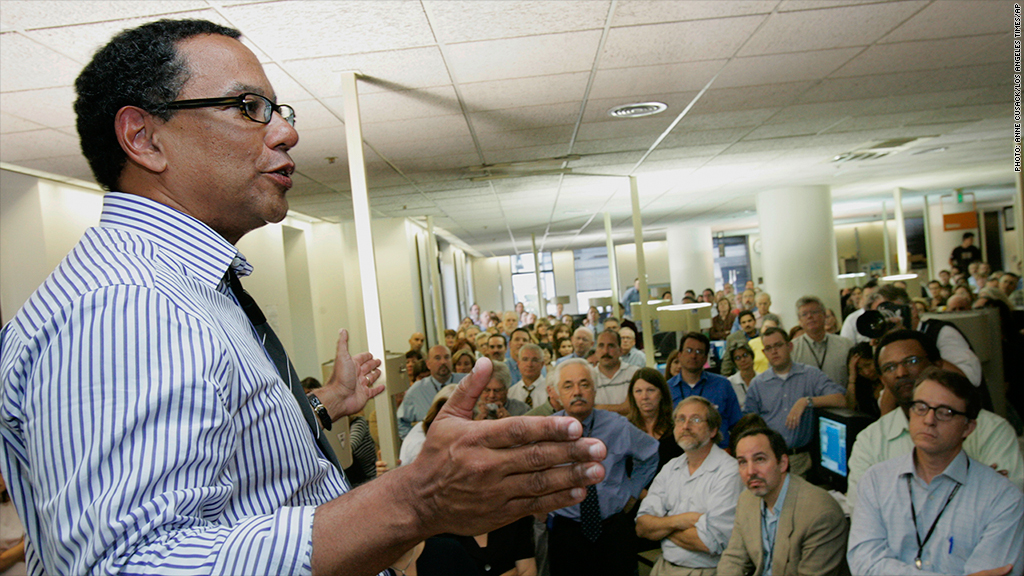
936	510
145	424
604	542
693	380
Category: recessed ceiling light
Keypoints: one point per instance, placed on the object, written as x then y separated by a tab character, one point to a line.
638	110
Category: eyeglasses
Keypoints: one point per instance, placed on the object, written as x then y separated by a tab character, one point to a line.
693	420
942	413
809	313
741	355
907	362
697	351
255	107
778	346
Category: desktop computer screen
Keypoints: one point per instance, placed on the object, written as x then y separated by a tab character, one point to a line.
833	445
837	431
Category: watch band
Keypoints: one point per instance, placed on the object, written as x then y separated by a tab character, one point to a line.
320	410
810	402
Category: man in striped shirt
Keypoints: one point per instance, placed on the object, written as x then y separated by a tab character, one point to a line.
145	426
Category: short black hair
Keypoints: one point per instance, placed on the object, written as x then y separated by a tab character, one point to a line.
775	440
893	293
699	337
498	335
746	313
968	235
414	354
931	349
138	67
873	283
775	330
527	332
618	339
956	383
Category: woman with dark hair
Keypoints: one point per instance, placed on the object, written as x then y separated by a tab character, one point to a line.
650	409
865	384
743	358
673	365
721	325
563	347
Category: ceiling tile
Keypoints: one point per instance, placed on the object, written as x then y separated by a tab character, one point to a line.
597	108
10	124
951	18
929	54
390	106
468	21
28	66
828	28
650	126
413	129
525	117
21	146
49	107
632	12
393	70
47	14
333	28
481	96
636	84
523	57
74	165
750	97
677	42
778	68
490	141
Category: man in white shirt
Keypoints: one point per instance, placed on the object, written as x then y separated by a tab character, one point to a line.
530	389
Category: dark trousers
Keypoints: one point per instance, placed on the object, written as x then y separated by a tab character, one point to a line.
572	554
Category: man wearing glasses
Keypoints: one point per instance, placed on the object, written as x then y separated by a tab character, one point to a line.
901	356
149	419
693	380
786	394
935	510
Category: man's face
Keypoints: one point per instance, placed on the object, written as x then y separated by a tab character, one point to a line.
553	397
474	310
576	391
496	344
933	288
472	332
762	473
749	325
812	319
494	393
628	338
984	269
1008	284
693	355
219	166
900	363
439	362
930	435
530	363
517	341
608	351
690	435
748	300
727	288
749	285
509	323
777	350
709	296
611	324
582	342
764	302
967	242
416	341
972	268
944	277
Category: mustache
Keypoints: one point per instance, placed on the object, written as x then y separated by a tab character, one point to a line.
578	398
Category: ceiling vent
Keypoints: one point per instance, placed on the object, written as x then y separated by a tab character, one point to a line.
637	110
879	149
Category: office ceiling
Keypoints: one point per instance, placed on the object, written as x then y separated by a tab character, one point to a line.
760	94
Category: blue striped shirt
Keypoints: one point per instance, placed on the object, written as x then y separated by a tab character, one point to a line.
143	427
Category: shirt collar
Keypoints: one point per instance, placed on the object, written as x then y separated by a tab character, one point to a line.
203	253
895	424
956	470
777	509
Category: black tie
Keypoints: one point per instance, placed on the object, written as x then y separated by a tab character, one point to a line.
590	509
280	358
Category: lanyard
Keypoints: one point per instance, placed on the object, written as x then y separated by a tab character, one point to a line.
913	512
810	346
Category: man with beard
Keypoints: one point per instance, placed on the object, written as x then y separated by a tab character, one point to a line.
784	525
900	358
421	394
597	536
613	375
693	380
691	505
748	331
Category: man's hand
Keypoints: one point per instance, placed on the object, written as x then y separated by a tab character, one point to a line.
994	571
472	477
793	419
349	388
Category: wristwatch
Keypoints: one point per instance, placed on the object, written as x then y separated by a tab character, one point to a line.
810	403
320	410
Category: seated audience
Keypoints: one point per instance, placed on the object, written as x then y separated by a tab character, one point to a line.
721	325
772	395
494	402
757	345
582	344
560	331
867	298
1009	284
416	341
784	525
672	364
748	330
413	442
450	337
693	380
563	347
421	394
900	359
832	324
463	361
630	354
613	375
816	347
746	422
552	405
410	361
743	357
596	536
971	518
530	387
650	409
691	505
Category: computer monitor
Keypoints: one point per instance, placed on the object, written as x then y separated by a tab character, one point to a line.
837	430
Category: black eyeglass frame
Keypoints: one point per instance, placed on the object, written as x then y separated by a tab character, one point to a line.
952	412
287	112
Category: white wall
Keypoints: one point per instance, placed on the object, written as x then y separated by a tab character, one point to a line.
655	260
564	269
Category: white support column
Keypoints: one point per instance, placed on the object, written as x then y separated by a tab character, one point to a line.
885	241
641	271
928	241
798	247
901	232
613	264
541	307
435	281
386	424
691	262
